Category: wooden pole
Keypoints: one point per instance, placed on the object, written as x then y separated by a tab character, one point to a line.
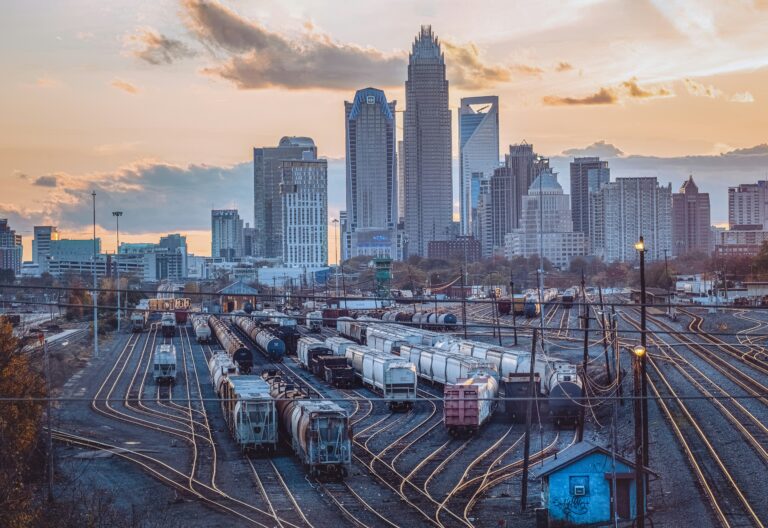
605	335
528	416
582	403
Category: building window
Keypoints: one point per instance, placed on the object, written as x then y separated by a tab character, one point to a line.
579	485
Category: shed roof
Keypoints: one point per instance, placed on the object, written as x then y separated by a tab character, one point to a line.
238	288
574	453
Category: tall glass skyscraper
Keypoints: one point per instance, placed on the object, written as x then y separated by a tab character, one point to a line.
427	145
371	176
478	153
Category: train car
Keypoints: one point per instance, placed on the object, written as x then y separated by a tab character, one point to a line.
138	321
387	374
468	404
334	370
168	325
309	347
319	431
241	355
315	321
532	308
201	328
338	345
220	367
504	306
408	333
181	316
445	367
267	342
250	412
518	304
567	298
564	391
549	295
352	329
331	315
164	364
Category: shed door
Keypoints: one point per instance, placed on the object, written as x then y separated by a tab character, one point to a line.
622	498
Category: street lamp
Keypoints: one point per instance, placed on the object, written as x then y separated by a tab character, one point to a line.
117	215
640	247
639	356
335	222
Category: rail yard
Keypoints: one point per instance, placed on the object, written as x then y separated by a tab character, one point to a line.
411	417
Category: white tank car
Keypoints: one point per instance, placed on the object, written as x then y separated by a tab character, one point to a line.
440	366
202	330
250	412
338	345
388	374
221	367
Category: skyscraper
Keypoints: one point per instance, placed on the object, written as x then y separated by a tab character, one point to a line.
10	248
400	181
371	225
304	196
587	176
622	211
226	234
427	145
267	206
41	244
525	165
748	206
478	153
691	230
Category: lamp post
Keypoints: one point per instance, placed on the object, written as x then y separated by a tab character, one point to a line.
338	252
117	215
638	357
95	286
640	246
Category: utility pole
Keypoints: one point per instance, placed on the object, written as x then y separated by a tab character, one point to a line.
640	246
48	410
512	303
605	334
117	215
463	303
639	352
95	286
585	360
528	413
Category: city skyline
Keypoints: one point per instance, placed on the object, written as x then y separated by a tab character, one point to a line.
58	145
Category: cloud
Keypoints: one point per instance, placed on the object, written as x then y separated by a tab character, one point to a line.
47	82
563	66
742	97
46	181
637	92
598	148
467	70
757	150
125	86
152	47
604	96
699	89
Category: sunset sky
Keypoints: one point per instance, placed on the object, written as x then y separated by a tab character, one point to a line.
156	105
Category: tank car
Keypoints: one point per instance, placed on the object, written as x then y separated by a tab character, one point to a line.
385	373
164	364
202	330
564	392
220	367
235	348
468	404
268	344
250	412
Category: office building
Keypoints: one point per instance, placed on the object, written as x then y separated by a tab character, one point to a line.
427	145
622	211
462	248
266	191
249	240
587	176
691	229
41	244
478	153
304	196
370	227
400	182
546	227
525	165
10	248
226	234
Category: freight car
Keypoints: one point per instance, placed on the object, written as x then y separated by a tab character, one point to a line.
330	316
427	320
201	328
315	321
319	431
220	367
418	336
353	329
334	370
511	305
338	345
168	325
388	374
445	367
241	355
138	321
164	364
268	343
568	297
309	347
250	412
468	404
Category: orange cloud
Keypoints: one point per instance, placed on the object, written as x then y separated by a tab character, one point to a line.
125	86
603	96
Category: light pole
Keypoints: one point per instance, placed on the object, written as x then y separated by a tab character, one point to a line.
95	286
48	409
640	246
638	357
117	215
338	252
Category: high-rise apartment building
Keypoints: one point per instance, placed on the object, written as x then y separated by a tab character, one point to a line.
587	176
622	211
691	228
496	217
478	153
427	145
748	206
226	234
546	227
371	224
525	165
41	244
304	195
267	204
10	248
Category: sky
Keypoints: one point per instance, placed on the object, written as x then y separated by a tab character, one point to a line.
156	105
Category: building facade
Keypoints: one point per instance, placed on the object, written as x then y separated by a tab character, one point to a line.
304	195
624	210
462	248
525	165
10	248
587	176
478	153
427	145
691	228
372	195
41	244
226	234
546	227
400	182
748	206
267	204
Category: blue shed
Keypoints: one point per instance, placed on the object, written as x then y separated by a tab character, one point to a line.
577	485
